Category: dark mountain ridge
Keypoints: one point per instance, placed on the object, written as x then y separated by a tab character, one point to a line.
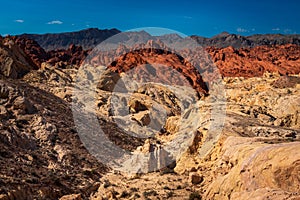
91	37
225	39
86	38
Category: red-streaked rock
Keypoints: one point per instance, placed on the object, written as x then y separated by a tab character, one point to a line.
254	62
74	55
143	60
33	50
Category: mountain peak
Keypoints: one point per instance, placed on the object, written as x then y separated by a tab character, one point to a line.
222	34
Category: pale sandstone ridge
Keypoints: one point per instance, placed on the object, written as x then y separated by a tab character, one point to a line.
256	156
272	100
249	167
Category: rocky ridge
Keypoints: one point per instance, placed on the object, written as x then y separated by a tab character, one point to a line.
20	56
225	39
89	38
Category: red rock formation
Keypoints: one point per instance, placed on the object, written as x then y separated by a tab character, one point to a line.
74	55
158	64
33	50
14	62
243	62
251	62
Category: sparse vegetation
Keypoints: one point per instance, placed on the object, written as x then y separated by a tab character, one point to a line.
166	188
170	194
195	196
124	194
150	193
134	189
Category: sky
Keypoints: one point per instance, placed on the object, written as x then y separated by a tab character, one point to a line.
203	18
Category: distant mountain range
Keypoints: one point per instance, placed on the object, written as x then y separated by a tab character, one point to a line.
237	41
89	38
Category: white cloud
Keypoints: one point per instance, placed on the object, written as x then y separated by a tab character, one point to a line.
19	21
275	29
289	31
242	30
55	22
187	17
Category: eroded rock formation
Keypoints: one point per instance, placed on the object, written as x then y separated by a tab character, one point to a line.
255	156
253	62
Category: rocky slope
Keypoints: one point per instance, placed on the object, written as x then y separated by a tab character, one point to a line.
254	158
256	155
41	155
32	49
251	159
31	55
14	62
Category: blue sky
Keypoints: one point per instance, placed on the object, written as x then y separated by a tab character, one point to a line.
204	18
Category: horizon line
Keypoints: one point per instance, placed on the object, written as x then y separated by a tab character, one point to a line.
140	30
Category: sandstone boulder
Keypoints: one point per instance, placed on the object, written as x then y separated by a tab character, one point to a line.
14	63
